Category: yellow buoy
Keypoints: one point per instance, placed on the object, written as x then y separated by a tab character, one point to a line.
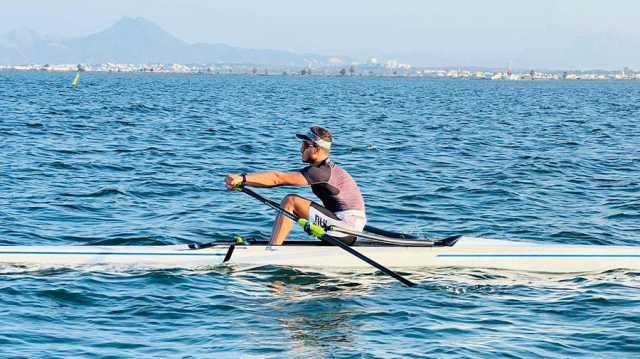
74	83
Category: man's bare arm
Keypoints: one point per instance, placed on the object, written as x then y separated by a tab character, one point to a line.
267	179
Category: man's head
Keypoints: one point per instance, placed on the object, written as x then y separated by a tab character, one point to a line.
316	144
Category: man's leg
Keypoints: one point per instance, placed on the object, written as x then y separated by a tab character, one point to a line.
282	227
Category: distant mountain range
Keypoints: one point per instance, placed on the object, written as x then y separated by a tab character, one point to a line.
139	41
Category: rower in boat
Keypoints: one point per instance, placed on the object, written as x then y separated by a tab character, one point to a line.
342	202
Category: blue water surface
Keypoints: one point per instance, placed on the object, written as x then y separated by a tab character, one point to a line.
140	159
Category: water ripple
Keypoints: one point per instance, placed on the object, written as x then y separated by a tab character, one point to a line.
139	159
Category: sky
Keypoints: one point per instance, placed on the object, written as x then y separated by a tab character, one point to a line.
491	33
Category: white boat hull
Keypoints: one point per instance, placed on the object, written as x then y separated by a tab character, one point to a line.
466	253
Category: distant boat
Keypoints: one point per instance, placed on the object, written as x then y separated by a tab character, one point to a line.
76	79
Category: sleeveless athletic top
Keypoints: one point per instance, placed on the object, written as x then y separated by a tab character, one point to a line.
334	186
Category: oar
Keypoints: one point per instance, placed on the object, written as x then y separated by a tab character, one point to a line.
371	233
319	232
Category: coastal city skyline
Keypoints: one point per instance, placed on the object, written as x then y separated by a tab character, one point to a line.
570	35
139	45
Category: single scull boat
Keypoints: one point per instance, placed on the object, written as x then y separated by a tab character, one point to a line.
395	250
466	252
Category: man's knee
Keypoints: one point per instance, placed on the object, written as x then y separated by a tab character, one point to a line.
290	199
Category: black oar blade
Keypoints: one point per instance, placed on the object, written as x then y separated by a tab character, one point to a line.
447	242
390	234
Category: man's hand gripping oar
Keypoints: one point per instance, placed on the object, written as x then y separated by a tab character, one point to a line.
320	233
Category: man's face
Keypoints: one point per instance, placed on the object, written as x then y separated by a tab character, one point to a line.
307	151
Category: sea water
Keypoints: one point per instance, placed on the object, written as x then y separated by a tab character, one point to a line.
140	159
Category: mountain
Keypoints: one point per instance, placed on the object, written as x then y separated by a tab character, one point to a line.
138	41
130	41
26	46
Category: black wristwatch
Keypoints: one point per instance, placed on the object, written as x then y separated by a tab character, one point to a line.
244	178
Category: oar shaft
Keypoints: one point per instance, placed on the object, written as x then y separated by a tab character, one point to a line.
383	239
270	203
370	261
319	232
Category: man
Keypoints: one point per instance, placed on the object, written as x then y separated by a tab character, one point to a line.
339	193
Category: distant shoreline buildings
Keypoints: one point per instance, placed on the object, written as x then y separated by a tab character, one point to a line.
372	67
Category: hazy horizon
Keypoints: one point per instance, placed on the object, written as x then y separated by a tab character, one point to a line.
542	34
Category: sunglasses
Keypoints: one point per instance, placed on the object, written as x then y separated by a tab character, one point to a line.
307	144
